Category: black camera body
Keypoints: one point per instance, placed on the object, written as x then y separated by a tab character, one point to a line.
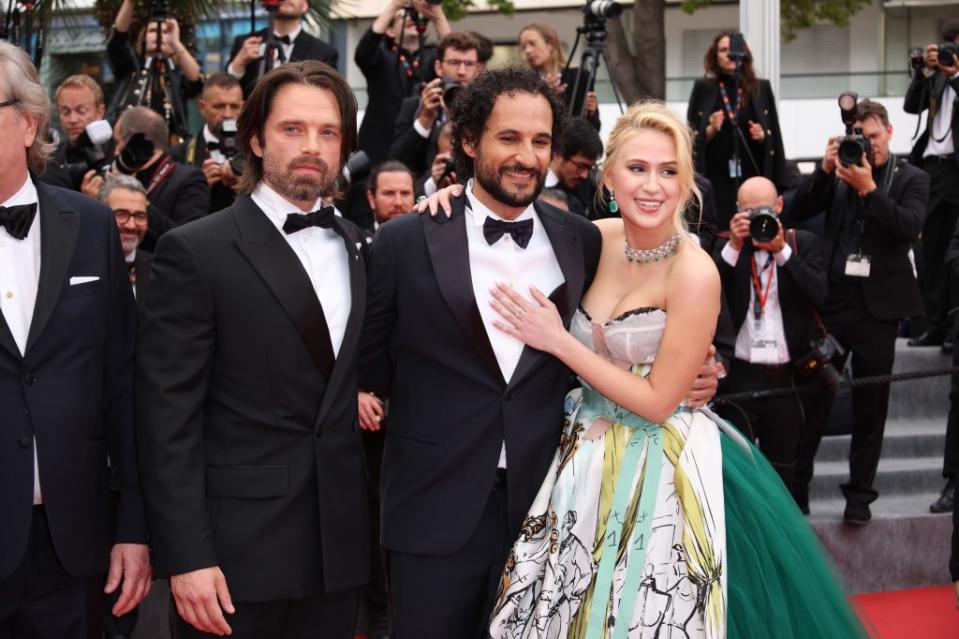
451	88
226	133
159	10
948	54
603	9
763	224
92	146
852	147
135	154
737	47
817	363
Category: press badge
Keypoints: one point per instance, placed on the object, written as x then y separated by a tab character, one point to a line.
762	350
735	168
857	266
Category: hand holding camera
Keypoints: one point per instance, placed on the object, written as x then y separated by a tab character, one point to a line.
442	171
762	225
431	102
858	176
250	51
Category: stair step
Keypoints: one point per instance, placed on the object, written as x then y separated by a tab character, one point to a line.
895	476
889	506
902	438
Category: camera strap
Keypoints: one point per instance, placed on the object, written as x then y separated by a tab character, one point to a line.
161	173
733	114
760	296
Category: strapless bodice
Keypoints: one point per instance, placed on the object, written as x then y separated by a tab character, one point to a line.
629	339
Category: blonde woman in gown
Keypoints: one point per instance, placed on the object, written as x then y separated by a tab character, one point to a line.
654	521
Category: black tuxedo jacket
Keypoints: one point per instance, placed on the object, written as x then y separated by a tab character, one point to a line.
193	152
141	265
893	224
246	425
450	409
922	93
409	147
73	391
183	196
305	47
702	100
801	283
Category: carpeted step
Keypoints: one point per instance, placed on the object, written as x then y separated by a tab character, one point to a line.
902	438
920	398
895	476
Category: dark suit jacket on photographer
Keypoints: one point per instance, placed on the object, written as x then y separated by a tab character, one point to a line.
180	197
194	152
409	147
801	285
922	91
388	82
125	65
305	47
892	222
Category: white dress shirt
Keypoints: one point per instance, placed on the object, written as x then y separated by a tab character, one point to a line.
941	125
286	48
323	255
505	261
19	280
772	311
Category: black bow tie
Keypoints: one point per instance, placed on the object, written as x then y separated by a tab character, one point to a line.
212	146
17	219
283	39
297	222
521	231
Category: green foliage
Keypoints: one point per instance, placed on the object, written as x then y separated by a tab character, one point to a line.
801	14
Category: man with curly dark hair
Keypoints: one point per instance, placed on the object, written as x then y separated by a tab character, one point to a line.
474	417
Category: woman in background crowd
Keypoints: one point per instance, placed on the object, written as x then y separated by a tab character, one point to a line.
736	124
543	52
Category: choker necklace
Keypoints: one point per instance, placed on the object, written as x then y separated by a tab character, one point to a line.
661	252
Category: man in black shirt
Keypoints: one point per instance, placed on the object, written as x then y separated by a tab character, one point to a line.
394	62
874	213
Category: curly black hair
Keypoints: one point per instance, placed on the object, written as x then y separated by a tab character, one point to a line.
472	107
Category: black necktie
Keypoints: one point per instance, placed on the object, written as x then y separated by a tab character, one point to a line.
284	39
521	231
297	222
17	219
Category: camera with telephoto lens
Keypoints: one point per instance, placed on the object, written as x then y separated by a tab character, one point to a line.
451	89
91	145
854	144
357	167
948	54
603	9
817	363
763	224
135	154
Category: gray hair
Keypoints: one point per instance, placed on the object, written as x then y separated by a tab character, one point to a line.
19	81
120	181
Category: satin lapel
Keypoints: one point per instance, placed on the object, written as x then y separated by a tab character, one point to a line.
354	325
448	247
58	238
277	264
568	249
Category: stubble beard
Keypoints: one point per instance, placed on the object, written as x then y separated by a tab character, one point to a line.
299	188
491	179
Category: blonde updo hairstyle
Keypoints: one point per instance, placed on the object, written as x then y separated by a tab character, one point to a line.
653	114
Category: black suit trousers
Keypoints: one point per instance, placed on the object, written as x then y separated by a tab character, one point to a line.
940	222
776	422
441	597
872	346
331	616
40	600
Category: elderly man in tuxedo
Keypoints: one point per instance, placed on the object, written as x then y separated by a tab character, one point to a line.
67	332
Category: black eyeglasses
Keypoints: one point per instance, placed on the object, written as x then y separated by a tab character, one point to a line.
7	103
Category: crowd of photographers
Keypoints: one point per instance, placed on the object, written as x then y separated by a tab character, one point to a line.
815	269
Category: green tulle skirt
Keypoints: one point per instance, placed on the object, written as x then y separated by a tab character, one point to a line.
780	584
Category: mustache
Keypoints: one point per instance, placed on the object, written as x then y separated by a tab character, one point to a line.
519	168
312	162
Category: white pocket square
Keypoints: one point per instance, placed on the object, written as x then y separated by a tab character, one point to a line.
83	279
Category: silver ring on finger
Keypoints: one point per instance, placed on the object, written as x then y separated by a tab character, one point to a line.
519	313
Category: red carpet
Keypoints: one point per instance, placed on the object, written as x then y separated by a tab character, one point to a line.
921	613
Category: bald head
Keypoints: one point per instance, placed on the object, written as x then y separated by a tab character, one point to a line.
757	192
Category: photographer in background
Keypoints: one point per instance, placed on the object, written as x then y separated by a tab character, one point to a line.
214	148
183	81
394	62
420	118
79	102
390	191
178	193
874	212
935	88
571	169
733	114
772	282
293	44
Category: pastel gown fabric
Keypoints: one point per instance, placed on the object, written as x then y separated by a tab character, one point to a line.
662	531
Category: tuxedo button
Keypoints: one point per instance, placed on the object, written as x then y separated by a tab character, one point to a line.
29	379
508	396
23	441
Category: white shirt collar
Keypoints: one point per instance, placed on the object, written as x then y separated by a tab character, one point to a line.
276	207
27	194
293	34
481	212
551	179
131	258
208	135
